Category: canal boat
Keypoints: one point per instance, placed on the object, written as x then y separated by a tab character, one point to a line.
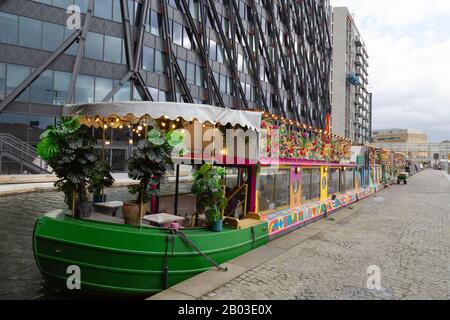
279	176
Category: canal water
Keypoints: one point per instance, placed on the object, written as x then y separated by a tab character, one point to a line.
19	275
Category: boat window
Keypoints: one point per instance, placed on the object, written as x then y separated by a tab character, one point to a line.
366	178
349	180
186	200
310	185
333	181
274	189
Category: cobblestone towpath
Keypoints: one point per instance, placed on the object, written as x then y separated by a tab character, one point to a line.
404	231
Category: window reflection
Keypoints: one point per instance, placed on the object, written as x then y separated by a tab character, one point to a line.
274	189
2	80
15	75
84	89
333	181
94	46
310	185
52	36
8	28
61	87
349	180
37	125
42	88
103	86
30	32
15	124
113	48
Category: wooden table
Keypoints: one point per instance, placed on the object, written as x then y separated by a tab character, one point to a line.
110	206
162	219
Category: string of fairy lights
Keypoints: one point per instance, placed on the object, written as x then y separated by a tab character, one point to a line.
298	125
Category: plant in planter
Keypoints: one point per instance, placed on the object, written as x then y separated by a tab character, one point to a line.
208	188
68	148
99	179
149	164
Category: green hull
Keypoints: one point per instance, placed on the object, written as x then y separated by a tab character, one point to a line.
120	259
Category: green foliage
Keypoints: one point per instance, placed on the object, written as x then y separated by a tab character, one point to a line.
100	177
68	148
150	162
208	188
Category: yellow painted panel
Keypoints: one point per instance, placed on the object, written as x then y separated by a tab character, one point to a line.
323	183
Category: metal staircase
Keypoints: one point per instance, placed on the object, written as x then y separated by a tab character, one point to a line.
21	154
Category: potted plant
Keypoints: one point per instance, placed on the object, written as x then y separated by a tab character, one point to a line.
149	164
68	148
208	188
99	179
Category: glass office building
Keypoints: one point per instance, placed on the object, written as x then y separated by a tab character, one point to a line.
243	54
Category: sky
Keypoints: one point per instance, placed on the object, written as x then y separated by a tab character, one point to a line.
408	43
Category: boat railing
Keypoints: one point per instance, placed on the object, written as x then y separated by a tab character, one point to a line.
236	193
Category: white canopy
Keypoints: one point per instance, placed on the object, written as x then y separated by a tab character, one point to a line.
133	111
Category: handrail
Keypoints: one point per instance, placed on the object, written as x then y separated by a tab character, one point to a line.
21	150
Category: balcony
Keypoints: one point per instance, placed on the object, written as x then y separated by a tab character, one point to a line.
358	42
353	79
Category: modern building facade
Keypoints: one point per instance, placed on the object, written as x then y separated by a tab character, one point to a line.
351	100
244	54
408	136
412	142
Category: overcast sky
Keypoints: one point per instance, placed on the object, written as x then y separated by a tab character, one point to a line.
408	43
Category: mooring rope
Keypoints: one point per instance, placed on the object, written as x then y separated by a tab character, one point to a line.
188	241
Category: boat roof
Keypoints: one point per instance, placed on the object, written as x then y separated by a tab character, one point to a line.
134	111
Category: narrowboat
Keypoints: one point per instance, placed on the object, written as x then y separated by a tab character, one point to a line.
279	175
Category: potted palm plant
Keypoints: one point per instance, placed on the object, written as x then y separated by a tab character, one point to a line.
149	164
99	179
68	148
208	188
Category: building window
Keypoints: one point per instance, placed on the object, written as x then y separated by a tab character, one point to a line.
194	9
117	14
190	72
15	124
212	50
159	62
84	89
94	46
15	74
155	23
199	74
2	80
42	88
8	28
30	33
274	192
61	87
62	3
124	93
37	125
72	50
52	36
103	9
103	86
177	33
148	59
113	48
